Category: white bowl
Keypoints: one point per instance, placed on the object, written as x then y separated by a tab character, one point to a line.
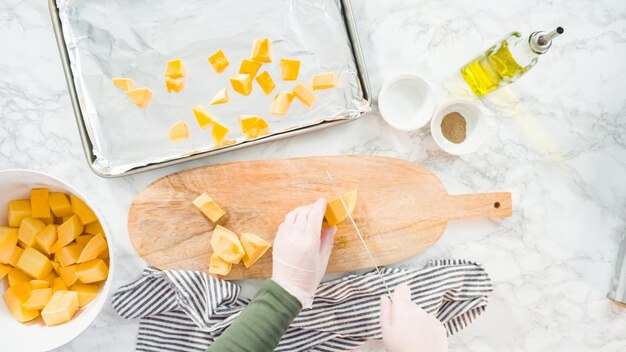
34	336
406	102
476	127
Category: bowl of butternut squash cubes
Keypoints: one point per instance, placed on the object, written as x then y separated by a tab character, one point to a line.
54	261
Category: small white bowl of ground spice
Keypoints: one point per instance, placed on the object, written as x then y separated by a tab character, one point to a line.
458	127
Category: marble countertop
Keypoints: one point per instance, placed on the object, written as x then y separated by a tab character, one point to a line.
556	142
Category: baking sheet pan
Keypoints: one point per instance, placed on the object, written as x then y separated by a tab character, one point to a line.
121	139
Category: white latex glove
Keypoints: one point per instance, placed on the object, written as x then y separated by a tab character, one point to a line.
301	251
407	327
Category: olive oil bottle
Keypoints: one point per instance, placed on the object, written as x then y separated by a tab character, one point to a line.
506	61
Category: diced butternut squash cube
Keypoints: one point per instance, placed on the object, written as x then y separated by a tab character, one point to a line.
86	293
250	67
4	270
16	277
82	210
336	212
68	274
37	284
28	229
123	83
262	50
56	266
174	85
39	206
69	255
94	247
65	218
94	228
175	69
219	61
253	126
208	207
46	238
92	271
14	297
219	132
204	118
290	69
178	132
38	298
58	285
8	241
35	264
84	239
226	245
219	266
254	248
140	96
281	103
51	277
17	253
47	221
306	95
60	308
67	232
220	98
242	83
266	82
104	254
324	80
60	204
18	210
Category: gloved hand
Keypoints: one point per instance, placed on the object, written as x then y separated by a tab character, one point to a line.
301	251
407	327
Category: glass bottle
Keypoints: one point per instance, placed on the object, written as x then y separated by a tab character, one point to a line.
506	61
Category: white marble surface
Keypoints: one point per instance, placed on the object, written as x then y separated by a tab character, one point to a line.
556	141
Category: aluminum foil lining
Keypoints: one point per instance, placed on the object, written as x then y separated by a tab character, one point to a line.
135	39
617	291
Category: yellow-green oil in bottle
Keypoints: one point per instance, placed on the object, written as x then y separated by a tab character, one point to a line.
506	61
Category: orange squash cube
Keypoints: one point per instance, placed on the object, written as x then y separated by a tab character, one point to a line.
123	84
86	293
18	210
68	274
306	95
266	82
84	239
58	285
85	214
35	264
67	232
203	117
262	50
51	277
38	298
282	102
28	229
14	297
219	266
226	245
335	211
17	253
242	83
4	270
93	248
92	271
140	96
324	80
16	277
46	238
290	68
175	69
174	85
8	241
220	98
60	204
250	67
254	248
219	61
178	132
219	132
37	284
253	126
39	205
60	308
94	228
69	255
208	207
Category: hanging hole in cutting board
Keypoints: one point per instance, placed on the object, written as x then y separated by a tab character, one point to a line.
496	205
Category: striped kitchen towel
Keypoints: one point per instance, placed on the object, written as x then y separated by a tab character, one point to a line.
187	310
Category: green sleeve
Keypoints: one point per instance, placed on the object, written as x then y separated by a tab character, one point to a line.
262	323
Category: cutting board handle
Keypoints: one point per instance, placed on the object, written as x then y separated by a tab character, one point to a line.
479	205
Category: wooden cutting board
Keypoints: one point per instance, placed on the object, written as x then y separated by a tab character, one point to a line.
402	208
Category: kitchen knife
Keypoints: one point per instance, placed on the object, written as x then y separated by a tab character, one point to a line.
367	249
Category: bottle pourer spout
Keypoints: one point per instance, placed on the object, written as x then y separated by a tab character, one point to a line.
540	42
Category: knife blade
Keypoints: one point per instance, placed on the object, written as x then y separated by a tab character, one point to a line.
367	249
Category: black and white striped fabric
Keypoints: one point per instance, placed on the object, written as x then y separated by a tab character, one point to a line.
187	310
